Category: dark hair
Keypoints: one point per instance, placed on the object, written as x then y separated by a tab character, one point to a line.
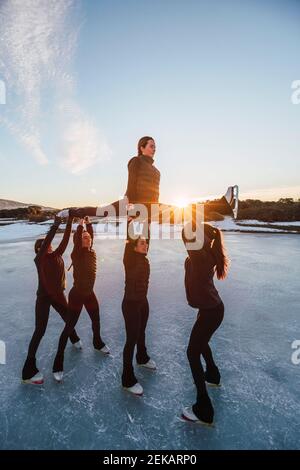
38	244
218	250
75	236
142	143
140	237
131	244
216	244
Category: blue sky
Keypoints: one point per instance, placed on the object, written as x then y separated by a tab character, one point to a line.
210	81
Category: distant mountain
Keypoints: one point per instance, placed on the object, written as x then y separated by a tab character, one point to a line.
7	204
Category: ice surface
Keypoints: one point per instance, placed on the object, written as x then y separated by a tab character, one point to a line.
17	230
11	229
258	405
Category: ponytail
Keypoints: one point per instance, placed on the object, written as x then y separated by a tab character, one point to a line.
219	252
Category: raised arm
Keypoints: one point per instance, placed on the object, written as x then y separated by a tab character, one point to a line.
89	227
48	239
78	237
64	243
196	255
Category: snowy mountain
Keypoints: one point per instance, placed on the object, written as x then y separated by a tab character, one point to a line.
8	204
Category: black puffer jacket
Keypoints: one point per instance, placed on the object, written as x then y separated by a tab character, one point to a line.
84	263
143	181
137	273
50	266
199	278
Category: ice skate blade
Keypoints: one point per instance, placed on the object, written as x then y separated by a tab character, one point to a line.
152	366
34	382
58	377
105	351
126	389
209	384
202	423
147	368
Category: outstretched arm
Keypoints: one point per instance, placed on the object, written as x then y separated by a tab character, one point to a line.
48	239
64	243
78	237
89	227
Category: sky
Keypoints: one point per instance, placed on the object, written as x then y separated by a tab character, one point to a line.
82	80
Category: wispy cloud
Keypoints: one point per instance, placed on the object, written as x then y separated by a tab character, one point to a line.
83	145
37	45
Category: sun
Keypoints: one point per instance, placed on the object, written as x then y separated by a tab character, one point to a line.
181	202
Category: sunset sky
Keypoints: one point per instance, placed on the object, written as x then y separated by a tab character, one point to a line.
211	81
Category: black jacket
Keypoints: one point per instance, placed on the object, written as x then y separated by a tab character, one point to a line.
199	273
50	266
84	263
137	273
143	181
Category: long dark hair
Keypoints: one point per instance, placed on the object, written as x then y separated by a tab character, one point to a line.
218	250
142	143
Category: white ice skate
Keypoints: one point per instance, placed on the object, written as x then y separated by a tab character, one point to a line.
37	379
232	197
235	202
105	350
58	376
63	214
78	345
136	389
188	415
149	365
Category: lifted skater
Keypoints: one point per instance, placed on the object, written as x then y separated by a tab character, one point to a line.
135	310
200	268
51	286
143	188
82	293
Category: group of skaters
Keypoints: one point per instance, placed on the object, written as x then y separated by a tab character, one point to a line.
201	265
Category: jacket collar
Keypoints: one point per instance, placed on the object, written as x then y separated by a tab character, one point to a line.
147	159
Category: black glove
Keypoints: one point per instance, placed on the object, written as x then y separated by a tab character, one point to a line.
76	212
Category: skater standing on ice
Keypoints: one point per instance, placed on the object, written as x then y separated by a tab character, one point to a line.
135	310
51	286
200	268
143	188
82	293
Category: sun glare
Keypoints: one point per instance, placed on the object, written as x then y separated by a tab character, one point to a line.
181	203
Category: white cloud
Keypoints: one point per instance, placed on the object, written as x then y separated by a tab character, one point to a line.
83	145
38	40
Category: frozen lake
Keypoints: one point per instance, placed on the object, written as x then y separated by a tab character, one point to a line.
258	404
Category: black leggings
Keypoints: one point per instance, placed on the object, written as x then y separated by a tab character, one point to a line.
136	315
208	321
42	310
76	303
